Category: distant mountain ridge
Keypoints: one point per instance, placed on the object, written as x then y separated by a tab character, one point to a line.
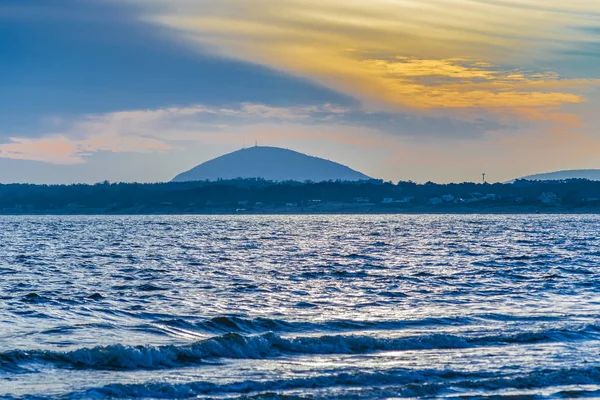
591	174
270	163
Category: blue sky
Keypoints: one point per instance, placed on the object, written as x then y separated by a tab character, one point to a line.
142	90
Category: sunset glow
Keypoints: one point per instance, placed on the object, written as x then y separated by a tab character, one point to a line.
523	73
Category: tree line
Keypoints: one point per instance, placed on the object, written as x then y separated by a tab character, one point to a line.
205	194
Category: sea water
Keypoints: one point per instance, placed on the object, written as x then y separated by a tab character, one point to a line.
328	306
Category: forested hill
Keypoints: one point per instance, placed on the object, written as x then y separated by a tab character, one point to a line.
591	174
271	163
260	196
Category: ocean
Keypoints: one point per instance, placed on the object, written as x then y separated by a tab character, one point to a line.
300	307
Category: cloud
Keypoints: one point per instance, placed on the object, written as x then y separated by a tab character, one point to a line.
168	129
460	83
96	56
146	145
424	55
58	149
466	82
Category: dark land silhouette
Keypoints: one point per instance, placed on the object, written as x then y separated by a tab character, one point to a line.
591	174
260	196
270	163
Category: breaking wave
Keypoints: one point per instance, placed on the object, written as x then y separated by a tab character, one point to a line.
237	346
235	324
396	382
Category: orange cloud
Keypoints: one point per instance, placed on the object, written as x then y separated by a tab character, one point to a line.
465	85
418	54
58	149
143	131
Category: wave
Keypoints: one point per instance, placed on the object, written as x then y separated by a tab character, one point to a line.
361	384
268	345
161	390
228	324
232	324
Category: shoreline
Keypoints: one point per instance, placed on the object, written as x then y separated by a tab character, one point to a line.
499	211
257	197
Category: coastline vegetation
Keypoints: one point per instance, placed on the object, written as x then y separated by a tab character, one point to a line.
261	196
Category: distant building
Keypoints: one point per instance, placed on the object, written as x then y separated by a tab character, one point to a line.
490	196
362	199
548	198
475	197
434	201
448	198
291	204
390	200
467	200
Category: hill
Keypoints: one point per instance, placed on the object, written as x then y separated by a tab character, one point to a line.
591	174
270	163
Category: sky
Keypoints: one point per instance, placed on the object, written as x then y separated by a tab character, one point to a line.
422	90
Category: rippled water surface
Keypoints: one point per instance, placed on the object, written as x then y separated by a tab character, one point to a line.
300	306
